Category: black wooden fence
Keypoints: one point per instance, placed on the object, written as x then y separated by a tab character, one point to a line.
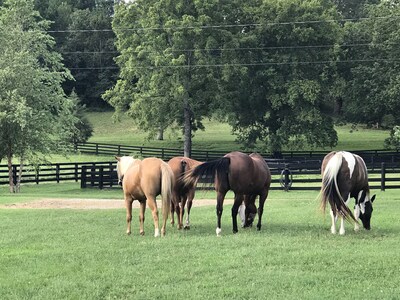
287	176
372	158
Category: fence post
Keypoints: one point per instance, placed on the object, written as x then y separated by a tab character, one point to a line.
101	169
14	175
97	149
92	175
76	172
383	174
83	177
58	173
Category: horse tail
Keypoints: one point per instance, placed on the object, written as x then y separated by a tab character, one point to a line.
218	167
167	182
330	190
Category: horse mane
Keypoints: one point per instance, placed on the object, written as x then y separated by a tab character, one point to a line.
330	191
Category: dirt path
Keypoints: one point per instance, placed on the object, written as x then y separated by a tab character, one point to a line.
68	203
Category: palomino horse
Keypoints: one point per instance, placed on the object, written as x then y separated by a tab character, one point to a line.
144	180
182	193
345	175
247	176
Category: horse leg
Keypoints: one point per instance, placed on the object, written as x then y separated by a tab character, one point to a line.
342	230
250	211
128	206
172	213
357	216
189	207
141	216
242	213
263	198
154	211
182	210
334	219
220	205
238	201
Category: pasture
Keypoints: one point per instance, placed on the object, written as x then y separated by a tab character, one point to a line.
85	254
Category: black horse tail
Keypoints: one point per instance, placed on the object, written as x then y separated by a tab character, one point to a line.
218	168
330	190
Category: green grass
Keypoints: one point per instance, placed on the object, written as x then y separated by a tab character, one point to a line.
81	254
217	136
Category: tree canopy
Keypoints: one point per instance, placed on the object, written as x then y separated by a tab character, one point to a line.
35	114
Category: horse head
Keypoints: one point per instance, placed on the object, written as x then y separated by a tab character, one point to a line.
365	205
123	163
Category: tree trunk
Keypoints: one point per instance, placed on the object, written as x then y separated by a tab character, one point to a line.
10	170
160	135
187	129
17	187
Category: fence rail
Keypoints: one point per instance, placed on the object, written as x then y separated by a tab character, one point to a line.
292	176
293	170
371	157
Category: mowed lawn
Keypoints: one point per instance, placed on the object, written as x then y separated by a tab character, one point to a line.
85	254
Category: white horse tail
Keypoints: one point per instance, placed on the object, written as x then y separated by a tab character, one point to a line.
330	191
167	182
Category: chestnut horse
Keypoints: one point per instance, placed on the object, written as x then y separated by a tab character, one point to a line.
247	176
144	180
182	193
345	175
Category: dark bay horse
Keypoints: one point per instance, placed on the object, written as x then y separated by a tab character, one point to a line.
248	176
144	180
182	193
344	175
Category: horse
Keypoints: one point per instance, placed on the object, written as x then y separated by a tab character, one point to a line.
144	180
344	175
248	176
182	193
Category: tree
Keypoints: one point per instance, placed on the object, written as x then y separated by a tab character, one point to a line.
82	30
277	94
35	115
168	52
373	88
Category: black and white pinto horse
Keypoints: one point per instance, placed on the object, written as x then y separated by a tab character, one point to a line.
344	175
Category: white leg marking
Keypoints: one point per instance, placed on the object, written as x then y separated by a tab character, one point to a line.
341	231
242	214
156	232
333	227
218	231
356	215
351	161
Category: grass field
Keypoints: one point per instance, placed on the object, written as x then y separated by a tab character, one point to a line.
85	254
217	136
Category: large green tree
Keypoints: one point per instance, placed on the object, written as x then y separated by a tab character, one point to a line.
276	93
36	118
168	61
83	34
373	90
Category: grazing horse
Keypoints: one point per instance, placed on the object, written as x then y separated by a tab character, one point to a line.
247	176
182	193
144	180
344	175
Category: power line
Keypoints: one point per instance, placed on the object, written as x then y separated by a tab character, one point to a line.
249	64
239	48
223	25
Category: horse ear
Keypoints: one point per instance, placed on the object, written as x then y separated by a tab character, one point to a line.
373	198
118	158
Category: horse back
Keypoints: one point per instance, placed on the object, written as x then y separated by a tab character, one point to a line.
248	174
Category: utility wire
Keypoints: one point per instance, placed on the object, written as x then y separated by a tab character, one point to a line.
237	49
248	64
223	25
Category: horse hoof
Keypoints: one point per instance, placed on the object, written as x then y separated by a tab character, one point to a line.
142	233
128	233
186	227
234	231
